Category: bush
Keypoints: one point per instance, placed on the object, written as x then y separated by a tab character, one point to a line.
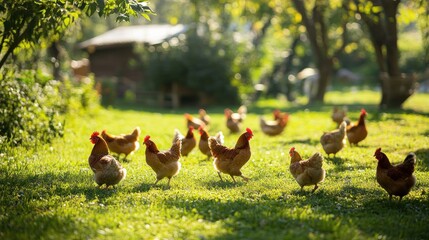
197	63
32	107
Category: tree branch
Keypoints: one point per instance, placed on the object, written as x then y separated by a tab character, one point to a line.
16	42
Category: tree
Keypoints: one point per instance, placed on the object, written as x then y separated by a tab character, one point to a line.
380	17
28	23
325	50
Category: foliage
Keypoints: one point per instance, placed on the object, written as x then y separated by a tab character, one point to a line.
29	109
32	105
50	193
26	23
196	62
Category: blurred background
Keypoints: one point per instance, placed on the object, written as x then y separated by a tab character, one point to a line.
201	53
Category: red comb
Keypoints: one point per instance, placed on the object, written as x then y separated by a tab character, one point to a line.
292	149
248	130
94	137
146	138
191	128
362	111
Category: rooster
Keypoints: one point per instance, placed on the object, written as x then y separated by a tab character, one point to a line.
188	141
107	170
276	127
395	179
125	144
357	132
204	116
231	160
194	122
164	163
334	141
307	172
203	145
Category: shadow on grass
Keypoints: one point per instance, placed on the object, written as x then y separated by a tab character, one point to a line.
336	215
307	141
39	186
226	183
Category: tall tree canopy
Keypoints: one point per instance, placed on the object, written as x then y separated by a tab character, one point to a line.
26	23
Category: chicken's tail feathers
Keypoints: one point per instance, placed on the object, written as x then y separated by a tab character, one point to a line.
220	138
177	136
317	159
242	109
136	132
410	159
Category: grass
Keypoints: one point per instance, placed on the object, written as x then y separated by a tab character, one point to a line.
49	193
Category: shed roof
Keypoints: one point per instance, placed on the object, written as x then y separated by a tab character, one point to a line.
151	34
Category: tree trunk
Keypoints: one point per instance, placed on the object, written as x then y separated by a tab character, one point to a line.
396	89
325	72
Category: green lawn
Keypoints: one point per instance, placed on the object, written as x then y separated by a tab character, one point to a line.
50	193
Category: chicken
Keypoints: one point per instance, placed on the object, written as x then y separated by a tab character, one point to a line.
107	170
164	163
274	127
203	145
277	114
357	132
125	144
334	141
397	179
204	116
339	115
240	115
194	122
231	160
188	141
233	124
307	172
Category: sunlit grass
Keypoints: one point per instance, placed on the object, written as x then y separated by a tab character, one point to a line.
50	193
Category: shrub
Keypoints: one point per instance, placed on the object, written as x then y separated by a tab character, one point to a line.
33	107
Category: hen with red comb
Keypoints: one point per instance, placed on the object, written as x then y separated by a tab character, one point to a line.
107	170
231	160
164	163
306	172
357	132
398	179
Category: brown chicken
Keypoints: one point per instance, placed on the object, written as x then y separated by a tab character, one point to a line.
125	144
231	160
188	142
164	163
395	179
203	145
233	124
204	116
275	127
339	115
306	172
277	114
357	132
194	122
334	141
107	170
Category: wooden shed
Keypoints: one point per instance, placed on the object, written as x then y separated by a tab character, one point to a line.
111	53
